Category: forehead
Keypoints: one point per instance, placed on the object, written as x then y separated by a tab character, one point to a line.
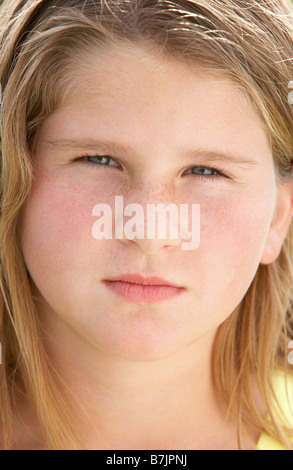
137	93
147	74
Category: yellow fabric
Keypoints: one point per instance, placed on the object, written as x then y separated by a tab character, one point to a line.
285	399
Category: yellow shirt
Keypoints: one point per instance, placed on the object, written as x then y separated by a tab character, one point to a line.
285	400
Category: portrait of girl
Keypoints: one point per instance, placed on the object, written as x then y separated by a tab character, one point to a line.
130	341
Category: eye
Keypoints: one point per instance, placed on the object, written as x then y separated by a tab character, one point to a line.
98	160
207	173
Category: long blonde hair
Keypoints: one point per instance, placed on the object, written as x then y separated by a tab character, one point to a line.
251	42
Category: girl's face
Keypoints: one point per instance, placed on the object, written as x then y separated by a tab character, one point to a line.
156	120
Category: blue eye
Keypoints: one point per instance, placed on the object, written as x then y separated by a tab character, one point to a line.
207	173
101	160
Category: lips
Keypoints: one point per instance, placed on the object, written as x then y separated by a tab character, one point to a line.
139	289
145	281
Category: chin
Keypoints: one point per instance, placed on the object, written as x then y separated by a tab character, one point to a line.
146	347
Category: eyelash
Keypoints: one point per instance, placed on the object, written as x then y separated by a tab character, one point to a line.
219	173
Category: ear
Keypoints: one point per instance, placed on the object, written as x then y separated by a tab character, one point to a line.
280	223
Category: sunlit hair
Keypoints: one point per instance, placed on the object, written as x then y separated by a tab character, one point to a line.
251	42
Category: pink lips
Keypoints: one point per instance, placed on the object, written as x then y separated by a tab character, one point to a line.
136	288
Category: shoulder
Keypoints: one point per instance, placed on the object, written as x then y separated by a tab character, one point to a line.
283	394
283	388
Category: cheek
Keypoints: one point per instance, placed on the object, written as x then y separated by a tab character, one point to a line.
233	237
56	228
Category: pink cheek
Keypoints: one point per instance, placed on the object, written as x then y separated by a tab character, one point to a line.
72	218
233	231
58	218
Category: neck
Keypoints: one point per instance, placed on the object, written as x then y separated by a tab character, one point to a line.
166	403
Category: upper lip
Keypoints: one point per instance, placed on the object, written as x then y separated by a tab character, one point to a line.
138	279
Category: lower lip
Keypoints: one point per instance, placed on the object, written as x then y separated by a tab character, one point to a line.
142	293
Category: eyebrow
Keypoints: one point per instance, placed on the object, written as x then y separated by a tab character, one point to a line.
116	148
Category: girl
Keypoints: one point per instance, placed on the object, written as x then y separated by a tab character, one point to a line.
131	342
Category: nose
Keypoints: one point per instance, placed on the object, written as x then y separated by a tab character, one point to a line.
151	226
150	246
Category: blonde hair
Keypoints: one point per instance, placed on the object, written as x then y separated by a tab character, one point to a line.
249	41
